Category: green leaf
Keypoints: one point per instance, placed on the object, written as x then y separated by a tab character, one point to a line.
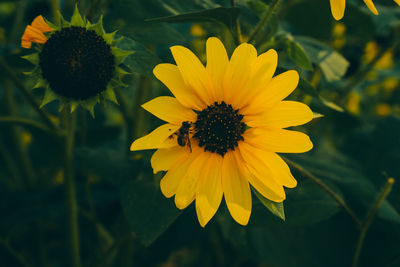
298	55
275	208
147	210
224	15
332	167
332	64
143	61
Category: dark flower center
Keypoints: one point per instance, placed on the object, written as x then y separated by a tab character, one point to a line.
219	128
77	63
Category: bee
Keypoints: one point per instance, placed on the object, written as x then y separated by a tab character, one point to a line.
183	135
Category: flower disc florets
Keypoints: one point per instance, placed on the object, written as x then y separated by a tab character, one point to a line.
219	127
77	63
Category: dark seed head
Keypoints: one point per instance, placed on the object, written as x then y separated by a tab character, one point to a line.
77	63
219	128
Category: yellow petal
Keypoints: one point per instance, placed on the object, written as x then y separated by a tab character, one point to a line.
159	138
282	115
209	190
397	2
264	161
41	25
337	8
194	73
163	159
237	72
186	191
171	77
278	140
217	61
277	89
371	6
261	73
170	110
171	180
262	177
236	190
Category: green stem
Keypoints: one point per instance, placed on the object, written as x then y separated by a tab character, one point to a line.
370	216
336	197
128	118
28	95
137	111
12	166
24	160
69	175
264	20
55	7
15	254
28	122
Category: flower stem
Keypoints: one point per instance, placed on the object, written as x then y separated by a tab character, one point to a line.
264	20
32	101
55	7
336	197
370	216
28	122
69	175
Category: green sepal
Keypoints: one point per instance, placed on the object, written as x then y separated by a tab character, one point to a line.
118	82
53	26
76	19
109	37
63	104
98	27
116	41
109	94
275	208
119	72
73	105
89	104
41	84
63	23
49	96
32	58
120	54
35	71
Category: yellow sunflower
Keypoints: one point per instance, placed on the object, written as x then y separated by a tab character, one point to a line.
338	7
224	128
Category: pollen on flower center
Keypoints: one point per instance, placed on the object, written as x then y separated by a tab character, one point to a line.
219	128
77	63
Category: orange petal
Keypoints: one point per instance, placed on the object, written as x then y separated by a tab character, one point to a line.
32	35
41	25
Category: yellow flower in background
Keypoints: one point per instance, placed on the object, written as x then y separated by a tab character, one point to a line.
338	7
223	129
383	109
353	103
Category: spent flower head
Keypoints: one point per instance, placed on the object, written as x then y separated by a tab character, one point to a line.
76	62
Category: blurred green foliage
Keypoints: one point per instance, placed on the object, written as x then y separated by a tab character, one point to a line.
350	75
